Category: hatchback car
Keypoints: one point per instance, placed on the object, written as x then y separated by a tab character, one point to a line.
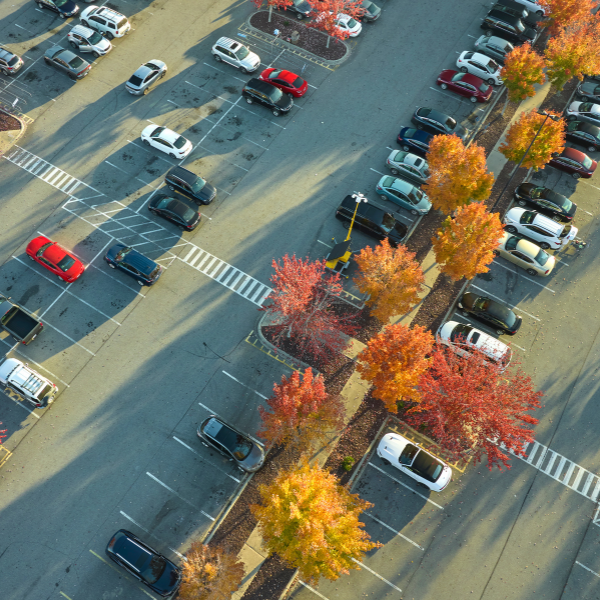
413	461
408	166
286	81
301	8
235	54
10	63
525	254
507	26
268	95
145	564
583	134
583	111
403	194
175	210
167	141
492	313
146	77
191	185
465	84
134	264
589	91
64	8
437	122
480	65
371	13
494	47
544	231
85	39
414	140
533	6
106	21
546	201
55	258
67	62
574	162
233	444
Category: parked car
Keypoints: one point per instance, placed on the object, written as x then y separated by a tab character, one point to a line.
27	383
21	325
191	185
175	210
546	201
413	461
236	54
542	230
167	141
67	62
589	91
231	443
301	8
268	95
436	122
64	8
583	134
465	84
481	66
533	6
583	111
85	39
55	258
145	564
414	140
408	166
516	9
371	13
134	264
494	47
146	77
403	194
525	254
106	21
286	81
495	315
507	26
372	220
10	63
574	162
346	24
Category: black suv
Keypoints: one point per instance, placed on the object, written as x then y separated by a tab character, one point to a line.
144	270
191	185
268	95
372	220
518	10
10	63
509	27
436	122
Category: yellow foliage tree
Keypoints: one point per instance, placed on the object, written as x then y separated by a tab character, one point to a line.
522	68
564	12
391	276
465	244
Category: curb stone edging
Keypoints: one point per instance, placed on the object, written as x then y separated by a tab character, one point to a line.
17	138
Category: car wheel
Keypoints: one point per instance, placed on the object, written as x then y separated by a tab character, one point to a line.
243	70
217	57
488	32
544	245
140	282
496	253
111	266
109	36
40	5
249	100
576	175
394	171
443	86
299	16
491	82
511	229
73	77
62	15
173	155
290	96
385	461
146	90
146	142
540	13
162	74
532	272
275	112
473	99
95	54
46	60
522	203
31	258
383	196
406	148
592	149
74	45
171	188
464	70
414	212
60	278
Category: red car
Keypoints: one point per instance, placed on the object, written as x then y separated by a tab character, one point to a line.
286	81
54	258
465	84
572	161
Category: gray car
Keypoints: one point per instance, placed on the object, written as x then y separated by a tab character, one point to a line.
494	47
146	77
68	62
589	91
408	166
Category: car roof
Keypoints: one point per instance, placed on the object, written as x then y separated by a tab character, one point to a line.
472	79
482	58
142	263
6	54
260	86
142	71
574	154
502	16
128	548
498	41
169	135
434	114
81	30
419	134
542	220
182	173
229	43
402	186
588	128
413	159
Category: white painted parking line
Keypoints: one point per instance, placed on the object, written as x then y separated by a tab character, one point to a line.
313	590
444	94
68	337
324	244
233	131
275	59
244	385
507	304
375	171
115	166
151	534
205	460
146	183
587	568
523	276
394	531
377	575
149	151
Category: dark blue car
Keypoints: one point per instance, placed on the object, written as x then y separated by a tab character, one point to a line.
414	140
64	8
134	264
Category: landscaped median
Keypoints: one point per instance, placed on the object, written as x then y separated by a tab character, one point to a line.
11	129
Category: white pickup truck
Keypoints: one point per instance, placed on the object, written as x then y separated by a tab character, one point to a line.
31	386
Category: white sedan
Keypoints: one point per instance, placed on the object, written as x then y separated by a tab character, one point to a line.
584	111
167	141
533	6
481	65
346	24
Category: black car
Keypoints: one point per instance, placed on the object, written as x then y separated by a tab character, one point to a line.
492	313
506	26
583	134
191	185
301	8
437	122
546	201
145	564
371	13
588	91
68	62
64	8
268	95
414	140
175	210
372	220
510	7
234	445
134	264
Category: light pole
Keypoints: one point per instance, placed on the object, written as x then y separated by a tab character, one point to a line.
358	198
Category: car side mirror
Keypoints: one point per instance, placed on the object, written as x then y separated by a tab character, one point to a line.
555	154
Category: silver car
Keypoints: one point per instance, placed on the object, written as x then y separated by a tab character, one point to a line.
526	255
408	166
85	39
146	77
494	47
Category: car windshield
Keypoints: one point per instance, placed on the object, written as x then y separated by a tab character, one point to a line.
520	26
450	123
13	61
242	53
275	94
481	304
135	80
297	82
493	66
542	257
179	142
163	202
121	254
156	133
408	454
65	263
512	242
415	195
59	3
409	133
460	333
585	107
527	217
154	569
95	38
587	162
573	126
76	62
198	185
122	23
388	222
43	249
351	23
189	214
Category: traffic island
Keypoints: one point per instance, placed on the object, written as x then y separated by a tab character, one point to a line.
11	129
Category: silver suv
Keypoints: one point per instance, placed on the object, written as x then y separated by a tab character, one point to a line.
236	54
10	63
106	21
85	39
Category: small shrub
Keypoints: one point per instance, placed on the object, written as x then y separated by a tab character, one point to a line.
348	463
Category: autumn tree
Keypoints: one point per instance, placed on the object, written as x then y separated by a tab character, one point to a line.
312	522
464	246
272	3
392	278
521	133
522	68
393	362
564	12
459	174
301	411
326	12
470	405
304	300
209	573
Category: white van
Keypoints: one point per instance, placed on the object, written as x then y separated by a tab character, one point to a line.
28	384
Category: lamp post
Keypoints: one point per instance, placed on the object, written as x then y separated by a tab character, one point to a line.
358	198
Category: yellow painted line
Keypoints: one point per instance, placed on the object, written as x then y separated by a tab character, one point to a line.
63	594
104	561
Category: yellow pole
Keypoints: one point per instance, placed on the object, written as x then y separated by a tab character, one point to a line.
358	201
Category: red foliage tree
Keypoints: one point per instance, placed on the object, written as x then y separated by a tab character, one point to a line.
272	3
326	12
2	431
469	405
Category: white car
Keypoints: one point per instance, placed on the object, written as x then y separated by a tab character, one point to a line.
543	230
413	461
584	111
346	24
481	65
525	254
533	7
106	21
168	141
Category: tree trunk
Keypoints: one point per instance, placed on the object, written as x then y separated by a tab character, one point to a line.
270	11
328	38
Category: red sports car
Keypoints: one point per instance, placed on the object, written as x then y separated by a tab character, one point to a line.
286	81
54	258
465	84
572	161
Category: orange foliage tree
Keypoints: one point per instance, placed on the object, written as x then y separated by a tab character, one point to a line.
564	12
301	411
391	276
459	175
551	139
393	362
272	3
465	244
325	15
312	522
523	67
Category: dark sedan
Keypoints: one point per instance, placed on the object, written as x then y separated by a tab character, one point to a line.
492	313
301	8
175	210
414	140
145	564
465	84
583	134
64	8
134	264
437	122
574	162
67	61
589	91
546	201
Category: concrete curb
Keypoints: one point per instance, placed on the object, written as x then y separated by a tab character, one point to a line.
7	145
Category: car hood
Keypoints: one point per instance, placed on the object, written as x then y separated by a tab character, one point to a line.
68	7
285	102
530	33
169	580
587	87
254	460
398	233
206	192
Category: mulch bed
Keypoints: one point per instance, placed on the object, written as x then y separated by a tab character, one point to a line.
8	122
310	39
